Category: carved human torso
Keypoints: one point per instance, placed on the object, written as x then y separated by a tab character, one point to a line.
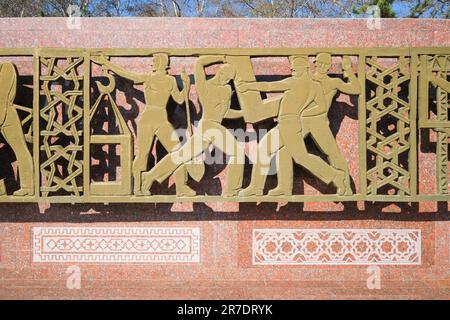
323	85
215	100
157	90
8	81
296	97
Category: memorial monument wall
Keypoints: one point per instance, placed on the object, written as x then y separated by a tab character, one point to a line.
320	158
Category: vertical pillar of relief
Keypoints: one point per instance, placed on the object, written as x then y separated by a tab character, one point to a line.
413	100
36	131
61	124
442	139
434	68
362	113
388	121
86	123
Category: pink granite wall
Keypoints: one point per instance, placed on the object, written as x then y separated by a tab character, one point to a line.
222	33
221	246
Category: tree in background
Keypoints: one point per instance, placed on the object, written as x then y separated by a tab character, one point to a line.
407	8
432	8
227	8
41	8
386	10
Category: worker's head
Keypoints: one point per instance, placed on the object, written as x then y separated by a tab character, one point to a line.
225	73
323	62
299	64
160	62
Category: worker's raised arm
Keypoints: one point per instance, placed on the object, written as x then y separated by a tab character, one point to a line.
133	76
266	86
201	63
352	86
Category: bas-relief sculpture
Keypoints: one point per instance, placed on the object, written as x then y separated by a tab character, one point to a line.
215	98
11	129
304	110
65	125
158	88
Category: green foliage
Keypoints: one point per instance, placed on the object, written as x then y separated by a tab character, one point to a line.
429	8
385	6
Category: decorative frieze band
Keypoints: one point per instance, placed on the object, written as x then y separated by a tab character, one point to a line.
116	244
76	141
336	246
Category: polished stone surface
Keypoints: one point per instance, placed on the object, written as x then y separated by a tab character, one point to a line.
225	268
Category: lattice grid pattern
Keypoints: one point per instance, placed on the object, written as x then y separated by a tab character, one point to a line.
61	123
441	65
388	126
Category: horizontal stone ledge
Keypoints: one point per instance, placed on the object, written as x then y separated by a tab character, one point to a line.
217	198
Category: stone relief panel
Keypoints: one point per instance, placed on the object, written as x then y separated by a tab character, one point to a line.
97	126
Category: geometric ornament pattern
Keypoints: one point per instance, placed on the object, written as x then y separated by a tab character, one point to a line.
336	247
61	123
440	64
388	127
116	244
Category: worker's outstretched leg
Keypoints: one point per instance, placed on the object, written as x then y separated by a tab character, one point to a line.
267	147
13	133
